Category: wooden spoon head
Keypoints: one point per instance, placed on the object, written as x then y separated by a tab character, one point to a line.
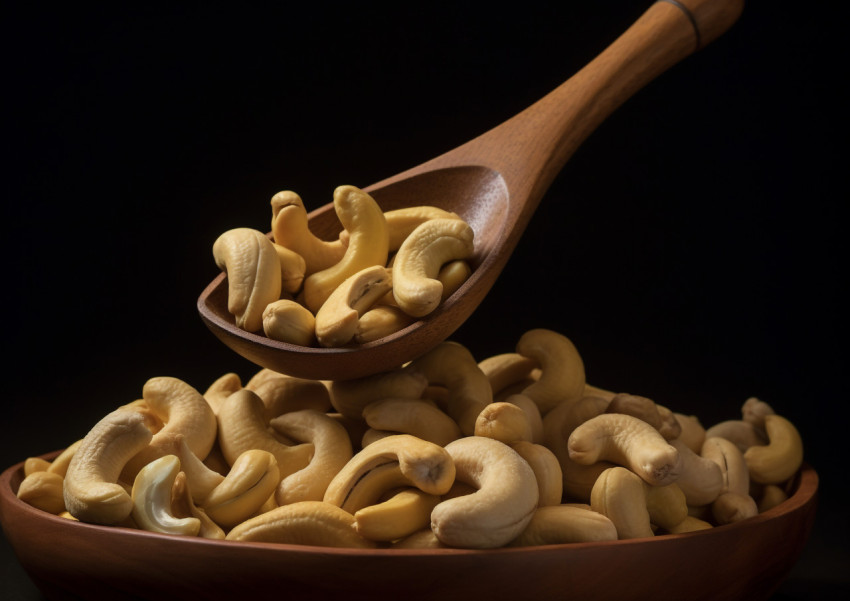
477	194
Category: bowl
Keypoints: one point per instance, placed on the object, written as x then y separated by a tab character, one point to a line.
73	560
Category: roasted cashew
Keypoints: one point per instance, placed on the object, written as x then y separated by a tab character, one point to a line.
222	388
293	268
422	464
91	489
283	394
404	512
559	524
304	523
332	451
501	507
452	275
43	490
547	471
402	222
350	397
337	321
243	426
184	412
418	417
701	479
152	499
504	422
250	261
627	441
250	482
290	229
417	263
619	495
380	321
781	457
367	246
450	364
286	320
562	376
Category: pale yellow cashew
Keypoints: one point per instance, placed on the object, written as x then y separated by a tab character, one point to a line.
293	268
701	479
152	499
619	495
243	426
222	388
450	364
380	321
627	441
183	506
313	523
43	490
350	397
367	246
781	457
666	505
290	229
417	264
286	320
91	489
253	274
333	450
770	496
423	464
743	433
423	539
452	275
404	512
692	431
532	414
373	485
283	394
547	471
184	412
506	369
35	464
60	463
504	422
501	507
337	321
402	222
562	377
418	417
559	524
250	482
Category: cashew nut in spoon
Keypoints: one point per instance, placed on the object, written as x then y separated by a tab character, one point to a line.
293	269
402	222
289	321
337	320
380	321
290	229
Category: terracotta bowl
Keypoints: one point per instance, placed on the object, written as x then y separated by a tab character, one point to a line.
72	560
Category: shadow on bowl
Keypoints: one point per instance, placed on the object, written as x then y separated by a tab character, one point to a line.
72	560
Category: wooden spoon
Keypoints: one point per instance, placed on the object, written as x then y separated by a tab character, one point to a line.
495	183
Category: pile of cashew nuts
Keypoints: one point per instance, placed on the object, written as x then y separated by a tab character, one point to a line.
386	269
445	452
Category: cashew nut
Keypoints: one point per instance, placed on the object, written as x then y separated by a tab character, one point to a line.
43	490
506	369
781	457
380	321
692	432
418	417
532	414
337	321
91	489
283	394
627	441
253	274
152	499
290	229
250	482
743	433
547	471
423	539
619	494
731	507
501	507
404	512
730	459
700	478
432	244
754	411
286	320
504	422
646	409
690	524
559	524
222	388
350	397
452	275
562	378
401	222
367	246
666	505
293	268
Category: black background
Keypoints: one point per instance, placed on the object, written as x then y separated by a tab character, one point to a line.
692	248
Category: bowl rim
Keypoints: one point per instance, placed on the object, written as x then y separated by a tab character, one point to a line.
805	487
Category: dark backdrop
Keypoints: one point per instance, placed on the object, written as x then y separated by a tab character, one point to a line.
690	248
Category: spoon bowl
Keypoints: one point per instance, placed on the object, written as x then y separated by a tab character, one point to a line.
494	182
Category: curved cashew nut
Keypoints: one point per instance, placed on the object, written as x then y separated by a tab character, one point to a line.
417	263
380	321
290	229
741	432
418	417
304	523
91	490
730	459
337	320
559	524
250	482
43	490
333	451
367	246
504	422
692	431
405	511
532	414
690	524
423	464
731	507
450	364
502	506
781	457
222	388
283	394
243	427
201	478
152	499
293	268
700	478
770	496
350	397
253	274
35	464
619	494
754	411
547	471
286	320
646	409
666	505
627	441
401	222
506	369
184	412
452	275
183	506
562	377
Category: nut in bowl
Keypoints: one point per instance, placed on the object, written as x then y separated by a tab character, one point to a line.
476	483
